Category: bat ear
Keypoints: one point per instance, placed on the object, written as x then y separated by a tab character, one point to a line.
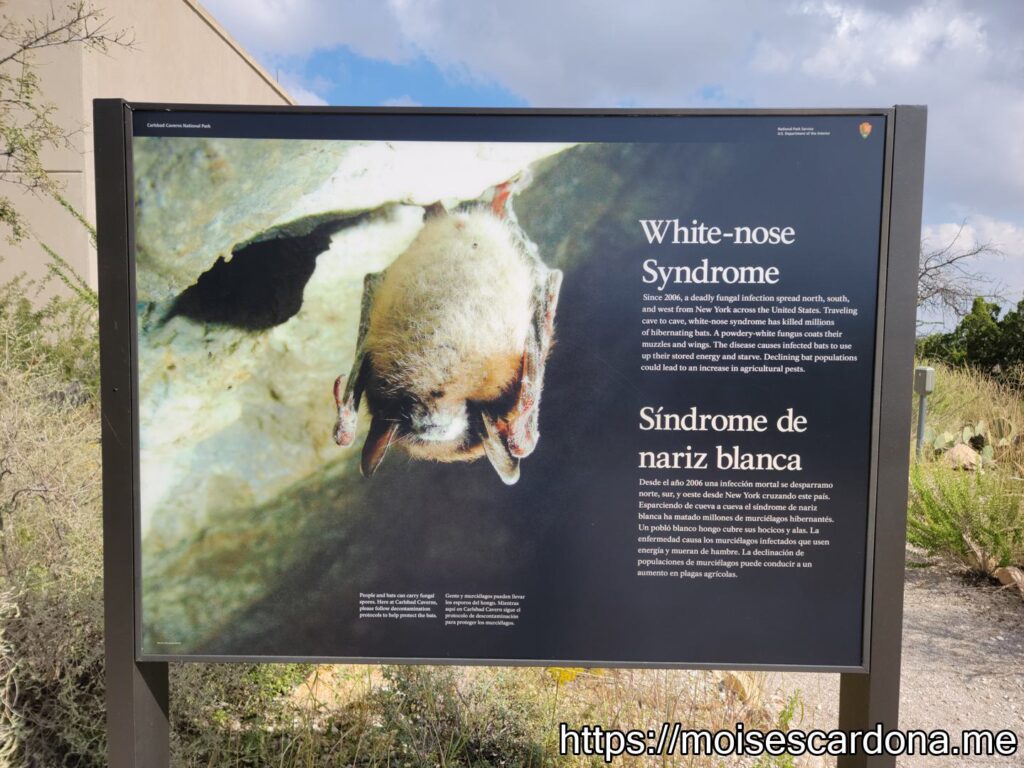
434	210
500	199
504	463
379	439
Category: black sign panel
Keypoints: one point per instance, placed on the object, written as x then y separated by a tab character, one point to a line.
567	387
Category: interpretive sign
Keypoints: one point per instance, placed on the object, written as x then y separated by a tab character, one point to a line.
532	387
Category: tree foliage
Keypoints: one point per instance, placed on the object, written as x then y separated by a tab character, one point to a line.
28	121
982	340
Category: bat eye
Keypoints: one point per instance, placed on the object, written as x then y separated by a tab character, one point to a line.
436	393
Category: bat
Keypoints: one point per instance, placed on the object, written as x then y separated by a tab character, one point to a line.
452	344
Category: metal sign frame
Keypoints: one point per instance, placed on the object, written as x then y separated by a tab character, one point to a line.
137	685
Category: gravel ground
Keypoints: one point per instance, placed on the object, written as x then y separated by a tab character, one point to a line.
963	666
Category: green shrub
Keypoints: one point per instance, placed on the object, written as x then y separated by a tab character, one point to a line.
973	517
58	335
982	340
784	722
239	715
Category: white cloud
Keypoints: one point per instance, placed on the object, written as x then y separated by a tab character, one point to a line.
769	58
860	45
299	91
977	230
1003	254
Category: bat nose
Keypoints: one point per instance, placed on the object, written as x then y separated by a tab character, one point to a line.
439	426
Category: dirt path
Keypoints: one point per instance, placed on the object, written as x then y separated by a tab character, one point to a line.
963	666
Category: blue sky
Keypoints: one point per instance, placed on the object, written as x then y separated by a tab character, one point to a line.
965	60
340	76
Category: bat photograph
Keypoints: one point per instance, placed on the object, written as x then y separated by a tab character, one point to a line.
391	391
365	371
452	342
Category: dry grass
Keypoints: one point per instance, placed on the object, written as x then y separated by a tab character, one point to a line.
50	571
49	483
471	716
964	397
644	699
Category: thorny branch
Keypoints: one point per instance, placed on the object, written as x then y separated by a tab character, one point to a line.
28	122
79	22
946	283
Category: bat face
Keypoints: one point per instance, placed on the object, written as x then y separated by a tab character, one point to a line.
453	340
444	421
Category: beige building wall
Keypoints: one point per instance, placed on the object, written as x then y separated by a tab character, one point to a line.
180	54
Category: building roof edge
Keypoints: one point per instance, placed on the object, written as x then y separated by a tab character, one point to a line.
203	14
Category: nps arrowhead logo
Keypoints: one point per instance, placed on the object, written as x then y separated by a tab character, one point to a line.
865	129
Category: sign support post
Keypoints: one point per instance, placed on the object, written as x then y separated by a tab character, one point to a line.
924	384
868	699
137	693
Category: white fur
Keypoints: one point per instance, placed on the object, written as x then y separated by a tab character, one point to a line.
458	300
